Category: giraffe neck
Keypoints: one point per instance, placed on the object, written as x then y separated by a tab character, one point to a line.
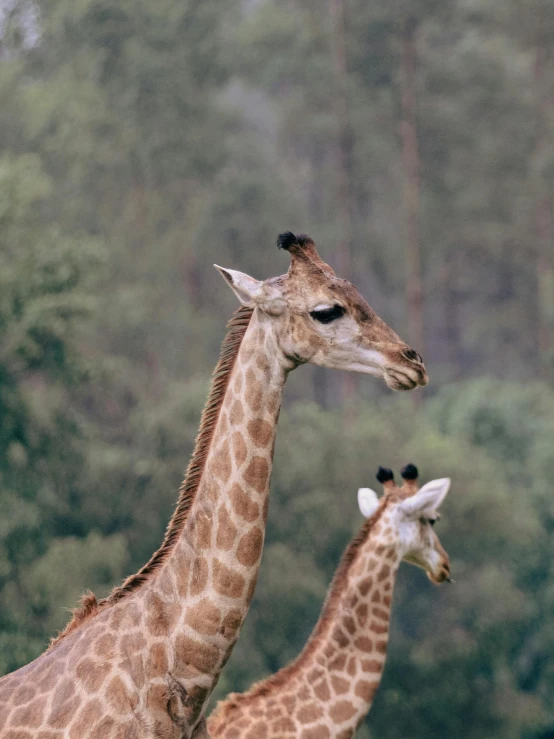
146	658
196	603
346	666
328	690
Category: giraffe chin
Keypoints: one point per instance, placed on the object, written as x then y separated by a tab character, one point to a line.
398	381
438	578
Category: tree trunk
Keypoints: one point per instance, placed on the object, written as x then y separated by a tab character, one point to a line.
344	139
543	226
344	155
451	351
410	157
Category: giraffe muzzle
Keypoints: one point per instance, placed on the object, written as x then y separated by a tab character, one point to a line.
443	575
406	378
405	370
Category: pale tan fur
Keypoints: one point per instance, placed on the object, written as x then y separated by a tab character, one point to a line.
142	663
328	689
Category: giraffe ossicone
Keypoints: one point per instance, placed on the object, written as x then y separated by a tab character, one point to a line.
327	691
143	662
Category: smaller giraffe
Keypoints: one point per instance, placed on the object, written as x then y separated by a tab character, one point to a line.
327	691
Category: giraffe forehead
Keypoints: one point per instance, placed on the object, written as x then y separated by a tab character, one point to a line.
305	291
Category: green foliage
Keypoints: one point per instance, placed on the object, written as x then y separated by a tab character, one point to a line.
45	300
140	143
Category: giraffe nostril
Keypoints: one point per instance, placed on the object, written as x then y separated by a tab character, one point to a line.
412	355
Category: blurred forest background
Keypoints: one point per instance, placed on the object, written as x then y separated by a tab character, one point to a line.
142	141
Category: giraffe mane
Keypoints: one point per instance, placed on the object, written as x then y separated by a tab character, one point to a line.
267	685
89	605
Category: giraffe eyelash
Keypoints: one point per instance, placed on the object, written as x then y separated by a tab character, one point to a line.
327	315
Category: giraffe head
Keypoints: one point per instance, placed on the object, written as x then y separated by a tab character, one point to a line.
319	318
410	514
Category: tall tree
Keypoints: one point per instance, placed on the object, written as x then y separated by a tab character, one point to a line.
412	180
544	145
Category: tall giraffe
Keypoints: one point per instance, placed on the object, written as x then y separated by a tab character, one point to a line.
142	663
327	691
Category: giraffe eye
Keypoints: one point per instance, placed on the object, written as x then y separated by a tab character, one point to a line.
327	315
431	521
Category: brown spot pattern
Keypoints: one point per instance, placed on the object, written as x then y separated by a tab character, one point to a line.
204	617
315	674
226	582
23	694
260	432
132	642
254	390
322	691
63	711
160	616
101	731
316	732
339	684
240	450
378	628
250	547
366	690
221	464
232	621
257	474
203	657
31	715
338	663
92	674
289	701
105	646
237	384
157	660
372	665
85	719
243	505
364	644
341	711
340	637
361	613
119	697
349	624
202	524
283	724
226	530
199	576
236	415
309	713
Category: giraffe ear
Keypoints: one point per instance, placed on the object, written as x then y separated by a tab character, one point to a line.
252	292
246	288
368	501
427	500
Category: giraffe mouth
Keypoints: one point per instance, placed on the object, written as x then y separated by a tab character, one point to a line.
399	380
443	575
402	375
